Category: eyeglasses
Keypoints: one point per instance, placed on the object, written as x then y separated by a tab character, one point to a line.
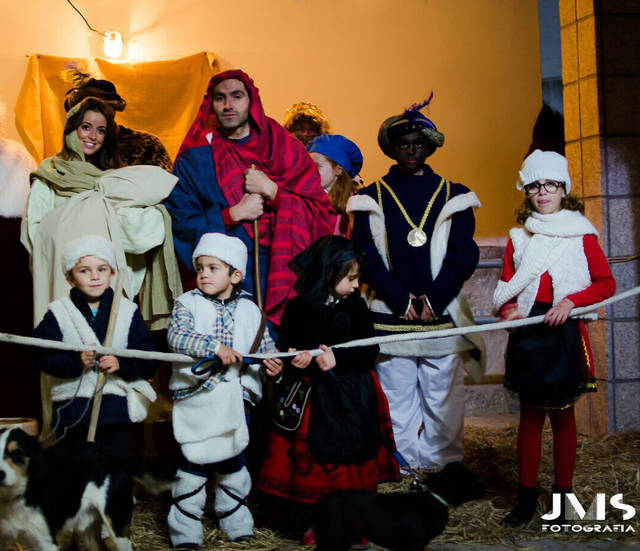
549	186
416	146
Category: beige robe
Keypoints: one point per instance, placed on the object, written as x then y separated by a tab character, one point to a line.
124	207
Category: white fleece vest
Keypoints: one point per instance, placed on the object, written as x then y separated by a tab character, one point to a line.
548	243
76	330
458	308
210	425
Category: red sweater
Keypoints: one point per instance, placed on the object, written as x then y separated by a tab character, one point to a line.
602	283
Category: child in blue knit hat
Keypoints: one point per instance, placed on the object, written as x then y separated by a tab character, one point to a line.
339	161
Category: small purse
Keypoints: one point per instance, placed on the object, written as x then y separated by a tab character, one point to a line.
291	405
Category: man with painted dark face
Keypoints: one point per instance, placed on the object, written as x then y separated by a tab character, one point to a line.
237	165
416	229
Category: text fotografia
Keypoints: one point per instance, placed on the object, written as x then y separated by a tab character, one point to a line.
586	528
597	511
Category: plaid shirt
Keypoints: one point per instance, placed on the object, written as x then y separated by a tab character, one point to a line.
183	338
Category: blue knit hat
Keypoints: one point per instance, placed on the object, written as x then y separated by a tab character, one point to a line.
340	150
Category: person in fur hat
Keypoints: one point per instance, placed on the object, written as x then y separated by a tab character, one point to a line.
135	147
82	317
552	265
416	229
305	121
215	320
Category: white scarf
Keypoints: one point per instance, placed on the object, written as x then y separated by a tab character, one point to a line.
548	243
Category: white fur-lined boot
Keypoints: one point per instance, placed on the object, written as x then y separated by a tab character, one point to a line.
235	518
189	496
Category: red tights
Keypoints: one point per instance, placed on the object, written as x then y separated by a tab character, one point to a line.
565	441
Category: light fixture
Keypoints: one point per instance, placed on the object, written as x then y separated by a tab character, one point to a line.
112	44
112	39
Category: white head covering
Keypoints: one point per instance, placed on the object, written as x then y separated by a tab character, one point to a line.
94	245
544	165
224	247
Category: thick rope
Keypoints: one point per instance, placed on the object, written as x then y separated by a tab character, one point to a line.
413	336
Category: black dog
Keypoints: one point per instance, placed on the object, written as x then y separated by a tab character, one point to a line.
77	488
398	521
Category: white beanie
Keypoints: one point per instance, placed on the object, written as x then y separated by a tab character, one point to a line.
544	165
224	247
94	245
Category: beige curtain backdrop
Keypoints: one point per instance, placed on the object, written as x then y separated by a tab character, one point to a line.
162	97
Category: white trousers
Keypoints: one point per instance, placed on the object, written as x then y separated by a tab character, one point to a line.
426	401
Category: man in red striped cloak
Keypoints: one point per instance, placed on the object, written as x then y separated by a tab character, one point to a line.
237	165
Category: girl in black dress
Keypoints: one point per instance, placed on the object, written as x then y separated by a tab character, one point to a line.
342	438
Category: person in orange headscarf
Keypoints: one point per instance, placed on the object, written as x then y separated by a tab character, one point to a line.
237	165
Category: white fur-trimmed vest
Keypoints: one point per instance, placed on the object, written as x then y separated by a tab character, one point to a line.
458	308
75	329
210	425
548	243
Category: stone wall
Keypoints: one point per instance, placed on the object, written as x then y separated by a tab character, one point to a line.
601	77
489	397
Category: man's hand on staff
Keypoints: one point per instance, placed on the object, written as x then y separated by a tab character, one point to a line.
250	207
256	181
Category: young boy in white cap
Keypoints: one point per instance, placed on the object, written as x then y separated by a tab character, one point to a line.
81	317
215	320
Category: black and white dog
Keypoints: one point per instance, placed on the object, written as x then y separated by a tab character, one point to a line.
77	488
397	521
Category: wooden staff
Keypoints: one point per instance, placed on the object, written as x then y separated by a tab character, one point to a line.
257	284
97	398
256	264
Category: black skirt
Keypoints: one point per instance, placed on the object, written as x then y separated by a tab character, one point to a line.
543	364
344	427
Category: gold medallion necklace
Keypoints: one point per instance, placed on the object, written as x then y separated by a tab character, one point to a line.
416	237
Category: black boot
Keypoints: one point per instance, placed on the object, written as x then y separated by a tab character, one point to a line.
523	512
562	519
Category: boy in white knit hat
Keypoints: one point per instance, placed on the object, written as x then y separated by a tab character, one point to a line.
215	320
81	317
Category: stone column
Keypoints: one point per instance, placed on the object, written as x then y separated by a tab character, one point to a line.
601	78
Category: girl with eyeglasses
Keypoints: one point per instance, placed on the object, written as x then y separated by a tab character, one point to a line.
552	265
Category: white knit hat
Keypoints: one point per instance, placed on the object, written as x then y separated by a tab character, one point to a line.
544	165
94	245
224	247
